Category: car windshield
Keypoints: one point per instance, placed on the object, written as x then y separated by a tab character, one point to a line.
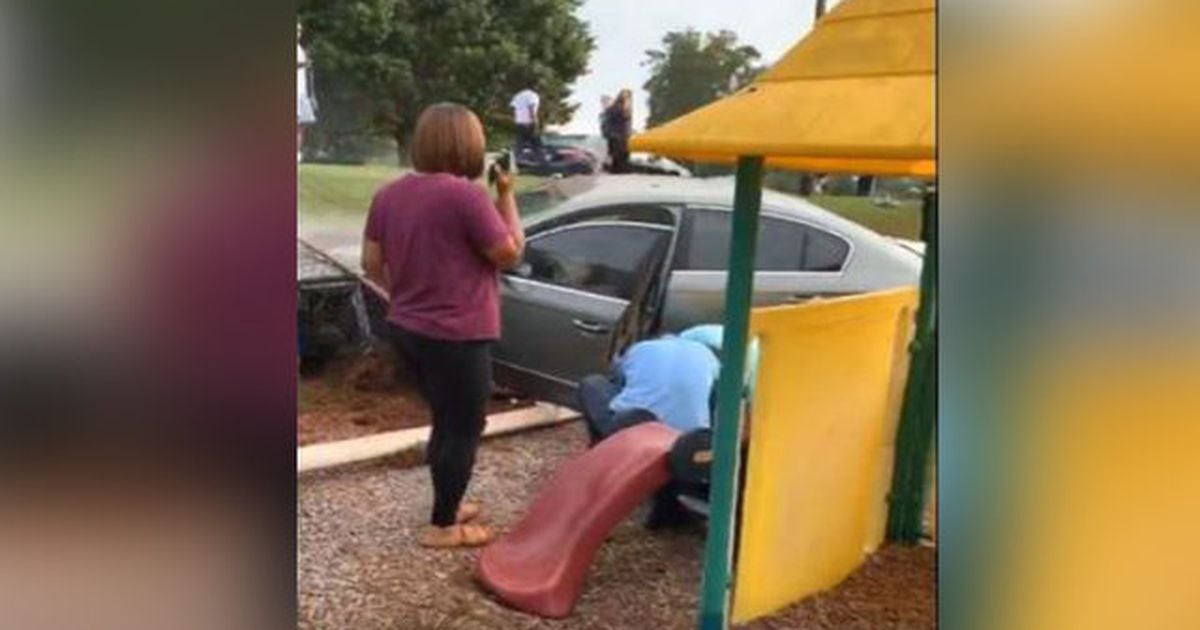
550	195
539	201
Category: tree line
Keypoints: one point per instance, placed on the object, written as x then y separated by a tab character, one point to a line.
378	63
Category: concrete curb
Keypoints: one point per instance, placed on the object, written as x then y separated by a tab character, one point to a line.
331	454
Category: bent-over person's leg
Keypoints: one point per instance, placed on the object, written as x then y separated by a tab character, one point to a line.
596	391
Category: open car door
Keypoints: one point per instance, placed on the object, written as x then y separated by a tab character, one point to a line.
579	297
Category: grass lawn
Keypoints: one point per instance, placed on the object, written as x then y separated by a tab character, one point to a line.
903	220
341	194
335	192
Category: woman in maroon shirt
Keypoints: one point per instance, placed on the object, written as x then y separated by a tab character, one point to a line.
436	242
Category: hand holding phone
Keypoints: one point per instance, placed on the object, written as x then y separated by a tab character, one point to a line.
500	173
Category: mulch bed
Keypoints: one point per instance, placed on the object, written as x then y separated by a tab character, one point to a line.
359	565
361	396
894	588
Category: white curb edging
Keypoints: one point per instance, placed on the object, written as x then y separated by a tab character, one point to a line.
330	454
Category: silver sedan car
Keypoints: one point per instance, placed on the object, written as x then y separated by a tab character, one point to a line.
610	259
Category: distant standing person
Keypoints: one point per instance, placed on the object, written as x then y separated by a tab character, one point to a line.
618	119
306	109
525	111
605	103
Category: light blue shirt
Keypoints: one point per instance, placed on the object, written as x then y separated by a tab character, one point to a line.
711	335
670	377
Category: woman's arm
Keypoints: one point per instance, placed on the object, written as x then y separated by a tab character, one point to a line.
373	266
507	254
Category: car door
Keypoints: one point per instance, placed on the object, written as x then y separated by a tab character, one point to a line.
561	307
794	261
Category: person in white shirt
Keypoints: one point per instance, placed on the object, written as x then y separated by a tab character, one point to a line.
306	110
525	112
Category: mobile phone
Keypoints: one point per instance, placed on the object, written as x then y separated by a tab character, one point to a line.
502	163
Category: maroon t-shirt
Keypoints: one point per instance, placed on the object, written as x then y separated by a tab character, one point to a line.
434	229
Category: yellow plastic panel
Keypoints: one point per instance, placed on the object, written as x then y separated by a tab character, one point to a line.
822	428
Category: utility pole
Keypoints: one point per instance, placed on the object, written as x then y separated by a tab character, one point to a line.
808	181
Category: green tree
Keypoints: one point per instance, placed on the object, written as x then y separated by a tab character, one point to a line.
694	69
378	63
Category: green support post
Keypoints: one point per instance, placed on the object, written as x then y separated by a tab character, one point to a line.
727	430
914	437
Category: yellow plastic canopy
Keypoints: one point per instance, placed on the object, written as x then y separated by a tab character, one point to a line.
855	95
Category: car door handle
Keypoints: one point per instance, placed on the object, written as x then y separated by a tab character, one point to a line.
592	328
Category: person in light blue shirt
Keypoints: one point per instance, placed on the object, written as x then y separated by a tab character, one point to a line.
711	335
669	379
672	377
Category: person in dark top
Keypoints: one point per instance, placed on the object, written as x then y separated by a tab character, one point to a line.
619	117
606	101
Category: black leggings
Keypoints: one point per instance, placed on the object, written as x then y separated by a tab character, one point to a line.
455	377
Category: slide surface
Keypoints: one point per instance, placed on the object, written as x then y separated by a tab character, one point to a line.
539	566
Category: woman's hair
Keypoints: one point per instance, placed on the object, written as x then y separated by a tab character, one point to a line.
449	139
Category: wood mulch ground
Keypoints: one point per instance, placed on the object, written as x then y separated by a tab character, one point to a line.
360	567
362	396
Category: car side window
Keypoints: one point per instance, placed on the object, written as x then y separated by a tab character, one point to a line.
782	245
602	258
633	213
654	214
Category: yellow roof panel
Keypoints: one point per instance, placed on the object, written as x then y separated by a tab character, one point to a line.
855	95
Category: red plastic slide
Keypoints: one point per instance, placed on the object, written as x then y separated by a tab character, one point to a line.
540	565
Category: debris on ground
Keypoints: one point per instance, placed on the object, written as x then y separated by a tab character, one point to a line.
359	565
359	396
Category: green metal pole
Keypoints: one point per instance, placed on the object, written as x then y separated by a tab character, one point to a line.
914	437
727	430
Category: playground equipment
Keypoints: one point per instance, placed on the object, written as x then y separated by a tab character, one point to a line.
826	458
818	470
540	566
856	95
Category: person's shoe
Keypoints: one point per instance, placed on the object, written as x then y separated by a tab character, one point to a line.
468	512
457	535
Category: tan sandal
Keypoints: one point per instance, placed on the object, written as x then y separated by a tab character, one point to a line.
468	512
459	535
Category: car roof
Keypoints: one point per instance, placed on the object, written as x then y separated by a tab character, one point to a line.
584	191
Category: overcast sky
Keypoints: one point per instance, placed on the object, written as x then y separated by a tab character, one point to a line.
625	29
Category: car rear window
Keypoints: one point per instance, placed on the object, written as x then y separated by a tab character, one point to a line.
782	245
